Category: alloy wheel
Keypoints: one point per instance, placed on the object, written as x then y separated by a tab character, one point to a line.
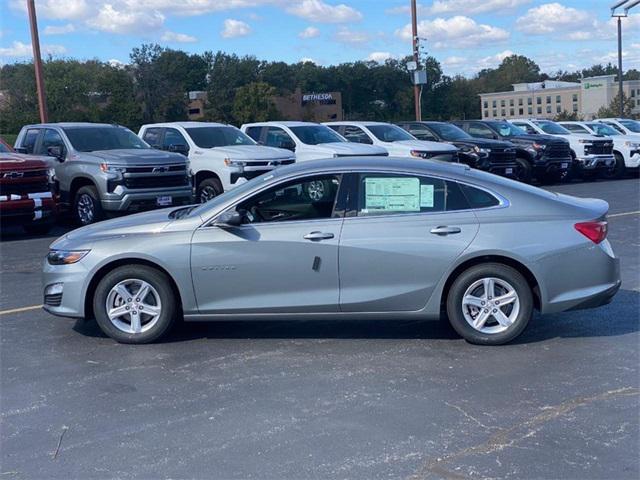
490	305
315	190
86	209
133	306
207	193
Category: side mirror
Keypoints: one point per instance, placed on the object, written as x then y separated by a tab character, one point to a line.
230	218
56	152
288	145
179	148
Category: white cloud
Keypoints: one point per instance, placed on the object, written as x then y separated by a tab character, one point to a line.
59	29
552	18
308	60
114	62
320	12
351	37
235	28
309	32
174	37
57	9
455	32
467	7
379	57
20	50
113	20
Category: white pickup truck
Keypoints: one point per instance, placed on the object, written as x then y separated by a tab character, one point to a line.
591	154
626	147
221	156
395	140
309	141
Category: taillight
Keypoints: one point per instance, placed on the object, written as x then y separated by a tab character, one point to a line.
596	231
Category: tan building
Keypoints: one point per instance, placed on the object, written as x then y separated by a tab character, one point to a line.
550	98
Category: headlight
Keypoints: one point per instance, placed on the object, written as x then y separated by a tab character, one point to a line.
632	144
584	141
65	257
234	163
485	150
106	168
419	154
51	175
538	146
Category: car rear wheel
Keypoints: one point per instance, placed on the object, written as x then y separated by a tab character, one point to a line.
489	304
525	172
209	188
618	169
87	206
135	304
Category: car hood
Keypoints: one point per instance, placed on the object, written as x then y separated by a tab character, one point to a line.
538	138
136	156
247	152
483	143
347	148
16	162
423	145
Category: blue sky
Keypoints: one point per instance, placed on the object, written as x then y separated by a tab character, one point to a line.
464	35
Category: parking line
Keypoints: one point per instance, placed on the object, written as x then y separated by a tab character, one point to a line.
624	214
18	310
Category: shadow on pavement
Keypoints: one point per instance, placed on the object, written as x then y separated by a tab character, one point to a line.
621	317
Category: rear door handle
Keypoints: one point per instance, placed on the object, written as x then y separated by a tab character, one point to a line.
444	230
316	236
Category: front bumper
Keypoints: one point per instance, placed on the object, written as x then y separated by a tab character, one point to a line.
139	200
634	159
21	209
545	165
595	162
66	299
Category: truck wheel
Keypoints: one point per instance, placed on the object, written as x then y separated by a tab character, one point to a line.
525	172
208	188
135	304
87	208
489	304
38	228
618	169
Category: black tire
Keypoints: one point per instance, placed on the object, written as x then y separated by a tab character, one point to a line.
525	170
38	228
618	169
87	208
210	188
162	285
550	178
466	280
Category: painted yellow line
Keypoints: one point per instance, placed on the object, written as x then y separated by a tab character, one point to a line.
18	310
624	214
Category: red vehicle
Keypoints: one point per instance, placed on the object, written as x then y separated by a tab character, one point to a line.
26	191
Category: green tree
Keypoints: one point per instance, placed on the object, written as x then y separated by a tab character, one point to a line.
613	109
254	103
565	116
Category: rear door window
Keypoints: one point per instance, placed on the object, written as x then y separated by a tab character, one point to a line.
480	130
356	135
254	132
173	137
153	136
29	141
277	137
51	138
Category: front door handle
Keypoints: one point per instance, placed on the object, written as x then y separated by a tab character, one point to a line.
444	230
316	236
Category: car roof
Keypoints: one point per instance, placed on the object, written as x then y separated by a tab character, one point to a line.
73	124
286	123
187	124
357	123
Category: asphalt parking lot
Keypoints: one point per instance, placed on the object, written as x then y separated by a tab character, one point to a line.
287	400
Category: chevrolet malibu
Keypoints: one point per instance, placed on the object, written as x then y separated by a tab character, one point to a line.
389	238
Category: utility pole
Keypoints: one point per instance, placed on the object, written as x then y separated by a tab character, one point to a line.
37	62
414	32
627	5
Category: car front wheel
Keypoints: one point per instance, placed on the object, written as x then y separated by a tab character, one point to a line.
88	208
490	304
135	304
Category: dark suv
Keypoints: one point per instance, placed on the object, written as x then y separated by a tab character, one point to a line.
545	157
492	156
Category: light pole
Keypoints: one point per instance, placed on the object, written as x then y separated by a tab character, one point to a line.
414	33
37	62
628	5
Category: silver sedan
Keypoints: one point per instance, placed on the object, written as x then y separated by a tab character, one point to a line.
349	238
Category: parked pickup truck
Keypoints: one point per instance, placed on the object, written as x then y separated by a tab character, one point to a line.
26	191
592	155
309	141
492	156
396	141
221	156
103	169
545	157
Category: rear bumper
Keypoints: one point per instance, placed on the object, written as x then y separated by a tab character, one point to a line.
599	299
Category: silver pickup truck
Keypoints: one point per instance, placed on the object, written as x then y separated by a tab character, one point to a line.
102	169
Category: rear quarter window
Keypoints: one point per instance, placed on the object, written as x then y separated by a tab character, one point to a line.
478	198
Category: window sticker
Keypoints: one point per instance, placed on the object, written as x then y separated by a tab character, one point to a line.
394	194
426	196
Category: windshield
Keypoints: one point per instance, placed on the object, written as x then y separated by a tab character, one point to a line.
553	128
602	129
390	133
4	148
506	129
316	134
632	125
89	139
211	137
449	132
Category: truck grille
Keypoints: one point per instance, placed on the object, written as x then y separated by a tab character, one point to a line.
159	181
270	163
502	155
599	147
29	182
365	155
558	150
